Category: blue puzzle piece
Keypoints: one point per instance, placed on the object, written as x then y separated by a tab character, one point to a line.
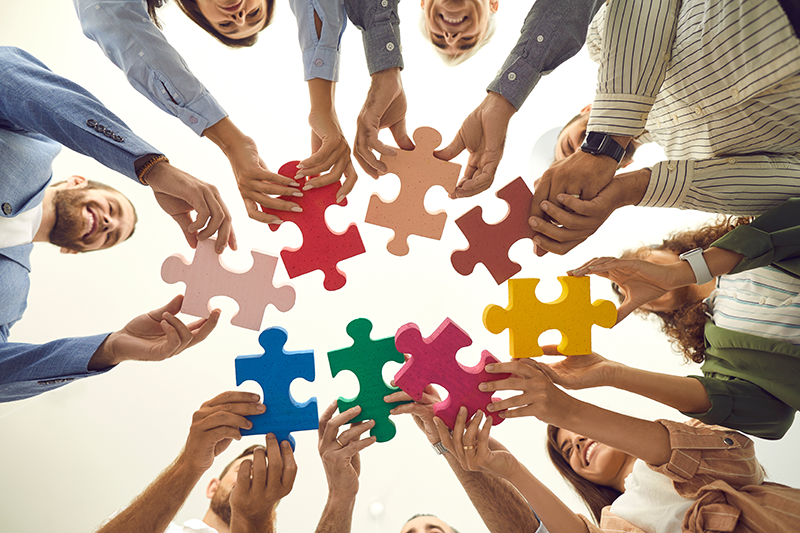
275	370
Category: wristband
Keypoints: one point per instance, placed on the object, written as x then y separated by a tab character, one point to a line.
698	263
144	169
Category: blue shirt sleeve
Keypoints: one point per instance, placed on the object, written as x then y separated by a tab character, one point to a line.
321	54
131	41
379	23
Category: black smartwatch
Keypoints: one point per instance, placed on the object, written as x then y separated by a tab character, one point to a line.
602	144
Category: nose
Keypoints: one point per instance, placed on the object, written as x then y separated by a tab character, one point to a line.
238	18
108	223
450	38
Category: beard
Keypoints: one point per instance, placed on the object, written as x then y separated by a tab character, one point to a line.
221	504
70	223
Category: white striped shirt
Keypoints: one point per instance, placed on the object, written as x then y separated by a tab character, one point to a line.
763	301
717	85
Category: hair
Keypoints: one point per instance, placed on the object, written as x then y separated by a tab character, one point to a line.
192	10
629	150
593	495
247	451
434	516
453	60
91	184
685	325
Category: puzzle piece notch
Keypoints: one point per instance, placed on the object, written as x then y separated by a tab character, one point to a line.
207	276
489	243
418	171
366	358
274	371
322	248
433	361
572	313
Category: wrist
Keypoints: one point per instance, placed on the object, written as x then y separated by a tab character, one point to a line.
501	104
343	500
634	185
225	135
104	356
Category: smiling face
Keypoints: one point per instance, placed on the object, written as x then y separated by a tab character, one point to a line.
456	26
591	460
235	19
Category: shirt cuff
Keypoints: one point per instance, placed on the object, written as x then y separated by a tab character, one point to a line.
382	48
515	81
202	113
321	62
669	184
620	114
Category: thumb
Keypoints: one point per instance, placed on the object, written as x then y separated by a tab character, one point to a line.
401	136
455	147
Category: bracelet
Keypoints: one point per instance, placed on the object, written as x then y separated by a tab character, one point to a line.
150	164
698	265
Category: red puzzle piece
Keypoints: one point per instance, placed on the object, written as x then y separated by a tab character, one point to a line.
433	360
489	243
322	248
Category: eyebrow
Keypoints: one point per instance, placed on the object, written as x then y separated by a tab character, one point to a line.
249	25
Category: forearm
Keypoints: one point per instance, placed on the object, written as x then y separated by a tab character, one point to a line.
155	508
225	135
337	516
242	525
681	393
321	94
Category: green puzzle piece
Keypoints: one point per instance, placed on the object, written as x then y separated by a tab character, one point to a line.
365	358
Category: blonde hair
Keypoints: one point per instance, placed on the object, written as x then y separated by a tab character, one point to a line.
453	60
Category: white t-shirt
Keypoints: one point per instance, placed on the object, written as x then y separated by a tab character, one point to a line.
651	502
20	229
190	526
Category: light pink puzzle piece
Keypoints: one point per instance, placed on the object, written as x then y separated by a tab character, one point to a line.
207	276
418	171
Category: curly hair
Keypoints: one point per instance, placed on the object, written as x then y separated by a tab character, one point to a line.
685	325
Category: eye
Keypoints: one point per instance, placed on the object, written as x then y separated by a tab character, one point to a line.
254	13
224	24
467	39
438	36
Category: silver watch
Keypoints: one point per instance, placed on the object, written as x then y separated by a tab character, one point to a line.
698	263
439	448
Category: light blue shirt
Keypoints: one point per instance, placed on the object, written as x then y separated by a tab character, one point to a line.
153	67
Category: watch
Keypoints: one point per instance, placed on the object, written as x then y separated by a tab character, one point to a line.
698	263
597	143
439	448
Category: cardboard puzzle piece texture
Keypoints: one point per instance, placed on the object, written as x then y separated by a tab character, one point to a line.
418	171
433	361
207	276
274	370
366	358
489	243
572	313
322	248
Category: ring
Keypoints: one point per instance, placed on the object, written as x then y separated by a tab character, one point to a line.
469	447
339	442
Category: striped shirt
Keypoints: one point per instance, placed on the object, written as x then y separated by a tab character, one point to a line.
716	83
763	301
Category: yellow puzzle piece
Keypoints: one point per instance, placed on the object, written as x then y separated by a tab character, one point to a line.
573	314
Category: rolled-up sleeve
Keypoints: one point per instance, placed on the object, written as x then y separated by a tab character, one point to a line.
379	23
321	54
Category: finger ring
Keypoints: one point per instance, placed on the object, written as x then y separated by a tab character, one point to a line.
469	447
578	196
339	442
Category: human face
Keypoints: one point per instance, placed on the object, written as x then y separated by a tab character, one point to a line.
236	19
455	26
90	219
425	524
592	460
674	298
219	490
572	136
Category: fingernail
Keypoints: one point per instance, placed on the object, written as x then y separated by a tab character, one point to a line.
261	407
255	397
560	198
483	386
301	166
297	194
307	187
339	198
462	410
480	416
537	240
277	222
502	414
293	184
490	407
489	367
533	222
545	206
297	209
285	444
249	425
357	408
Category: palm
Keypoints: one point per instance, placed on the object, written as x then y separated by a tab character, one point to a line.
144	334
581	371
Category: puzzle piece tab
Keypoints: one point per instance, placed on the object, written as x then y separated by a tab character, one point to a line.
572	313
366	358
489	243
275	370
418	171
322	248
433	361
207	276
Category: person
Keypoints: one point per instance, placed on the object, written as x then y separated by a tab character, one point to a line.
741	327
427	523
500	506
243	497
128	33
720	97
458	30
660	476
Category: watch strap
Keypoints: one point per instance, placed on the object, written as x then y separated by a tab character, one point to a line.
698	263
597	143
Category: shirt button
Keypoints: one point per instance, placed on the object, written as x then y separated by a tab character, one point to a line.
644	116
319	62
675	118
671	166
99	128
762	301
666	58
698	110
193	120
734	93
91	123
512	76
7	209
384	3
118	138
539	39
731	160
390	46
728	441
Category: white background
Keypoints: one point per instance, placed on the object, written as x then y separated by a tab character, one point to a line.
73	456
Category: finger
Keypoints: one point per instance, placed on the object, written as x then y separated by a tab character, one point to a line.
279	204
366	167
517	366
471	433
399	396
444	433
207	326
274	461
350	178
174	307
562	234
333	425
551	349
556	247
256	214
322	160
356	446
327	414
401	135
354	433
231	397
450	151
184	335
243	481
232	242
478	183
626	308
259	468
289	467
333	176
458	435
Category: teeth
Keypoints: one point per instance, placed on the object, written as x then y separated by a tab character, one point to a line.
590	451
90	225
453	21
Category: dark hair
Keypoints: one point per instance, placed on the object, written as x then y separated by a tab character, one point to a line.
247	451
593	495
91	184
432	515
685	325
629	150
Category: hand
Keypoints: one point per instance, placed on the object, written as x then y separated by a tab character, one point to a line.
483	134
539	398
216	424
179	193
641	281
154	336
260	485
339	452
421	411
385	107
331	153
579	371
473	449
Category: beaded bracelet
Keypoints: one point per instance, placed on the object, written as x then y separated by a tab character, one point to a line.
150	164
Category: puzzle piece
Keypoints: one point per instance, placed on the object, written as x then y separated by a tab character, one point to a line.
275	370
418	171
322	247
433	360
572	313
489	243
207	276
365	358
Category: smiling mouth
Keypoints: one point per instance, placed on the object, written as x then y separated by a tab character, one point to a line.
233	8
587	454
91	225
452	21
